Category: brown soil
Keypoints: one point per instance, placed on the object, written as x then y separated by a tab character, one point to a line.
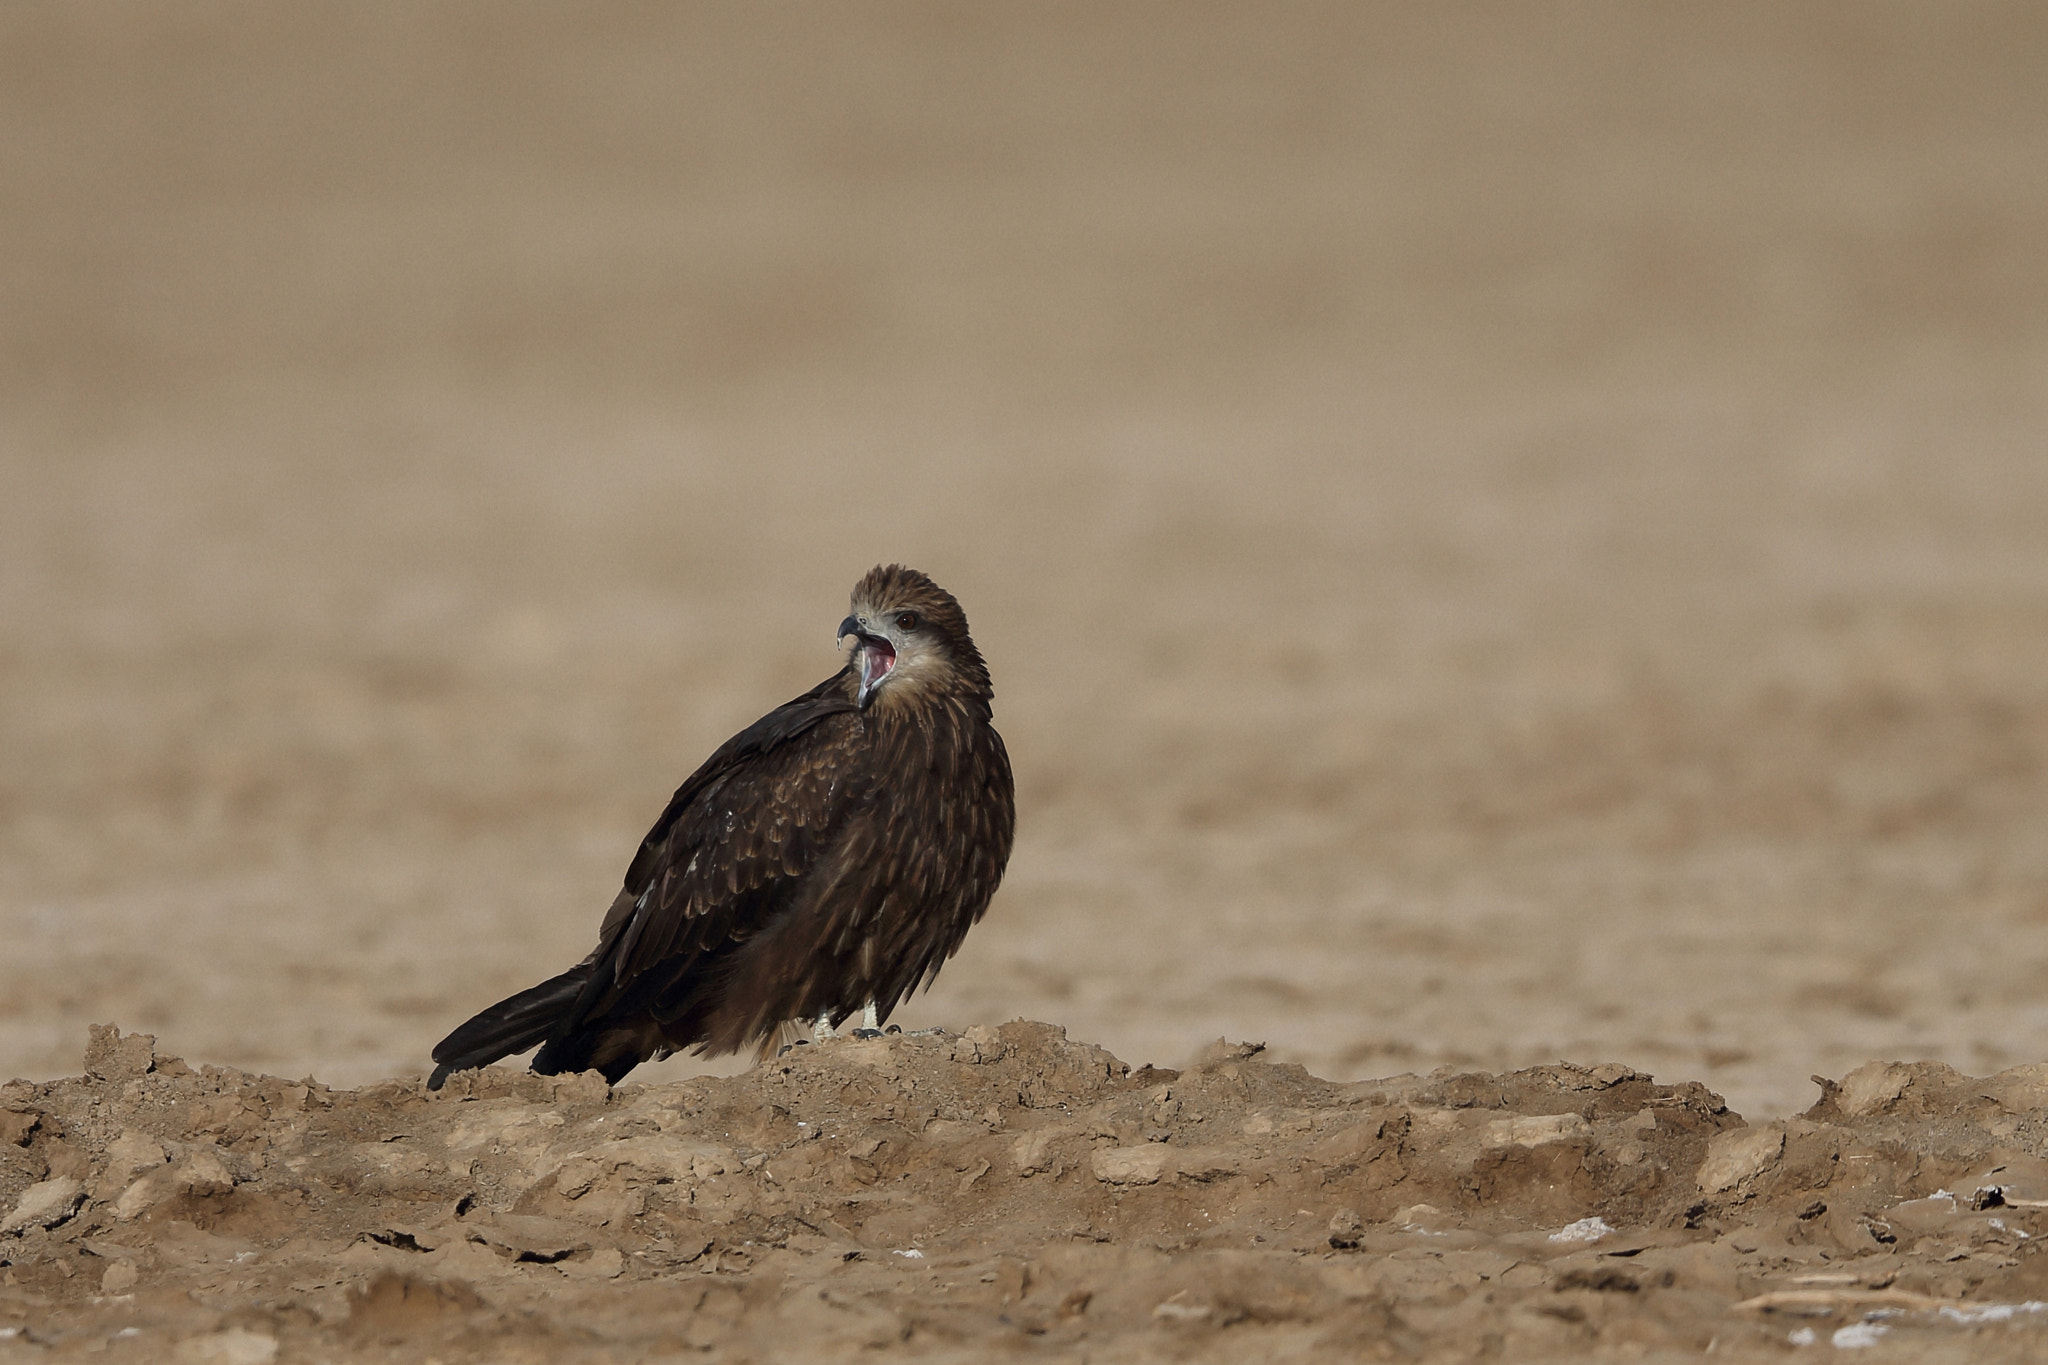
1503	534
1009	1191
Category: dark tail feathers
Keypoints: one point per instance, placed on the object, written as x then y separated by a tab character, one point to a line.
512	1025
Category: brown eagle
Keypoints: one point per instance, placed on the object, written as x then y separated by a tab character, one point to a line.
827	859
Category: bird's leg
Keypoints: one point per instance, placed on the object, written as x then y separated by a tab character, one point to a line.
821	1029
870	1022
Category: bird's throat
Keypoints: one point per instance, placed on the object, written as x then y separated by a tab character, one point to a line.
877	657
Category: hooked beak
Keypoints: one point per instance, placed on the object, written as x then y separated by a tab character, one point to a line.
875	655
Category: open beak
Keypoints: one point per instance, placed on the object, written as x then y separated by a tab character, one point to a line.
875	655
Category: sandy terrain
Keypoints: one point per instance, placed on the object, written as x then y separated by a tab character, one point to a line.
1503	536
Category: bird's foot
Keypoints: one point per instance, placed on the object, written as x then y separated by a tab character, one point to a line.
870	1022
822	1030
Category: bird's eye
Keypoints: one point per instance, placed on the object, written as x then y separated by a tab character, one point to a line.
906	620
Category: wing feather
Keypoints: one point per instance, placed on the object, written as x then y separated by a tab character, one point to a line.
733	844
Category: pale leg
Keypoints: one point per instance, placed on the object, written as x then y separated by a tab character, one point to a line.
822	1029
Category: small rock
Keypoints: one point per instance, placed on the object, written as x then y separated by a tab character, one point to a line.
133	1152
575	1178
1032	1151
1585	1230
1734	1157
18	1126
529	1237
1348	1143
1143	1165
1872	1088
1208	1163
109	1056
1934	1214
129	1155
585	1087
605	1263
202	1172
653	1158
142	1196
1534	1130
1425	1218
979	1046
1344	1230
119	1278
45	1204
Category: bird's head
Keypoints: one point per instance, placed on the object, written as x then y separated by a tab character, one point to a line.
907	640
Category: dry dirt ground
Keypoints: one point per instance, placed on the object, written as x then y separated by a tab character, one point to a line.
1505	535
1007	1192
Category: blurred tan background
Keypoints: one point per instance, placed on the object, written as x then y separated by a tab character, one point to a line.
1502	532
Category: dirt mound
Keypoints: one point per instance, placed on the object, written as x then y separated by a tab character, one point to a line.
952	1194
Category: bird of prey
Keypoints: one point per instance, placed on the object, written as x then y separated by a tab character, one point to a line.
825	860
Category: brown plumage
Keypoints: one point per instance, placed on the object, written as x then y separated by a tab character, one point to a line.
832	854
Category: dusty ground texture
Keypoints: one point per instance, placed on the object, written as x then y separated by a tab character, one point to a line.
1503	533
1008	1192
